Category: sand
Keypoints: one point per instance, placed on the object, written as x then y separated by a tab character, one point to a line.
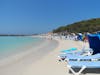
45	64
49	65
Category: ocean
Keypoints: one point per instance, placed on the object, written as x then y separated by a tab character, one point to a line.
14	44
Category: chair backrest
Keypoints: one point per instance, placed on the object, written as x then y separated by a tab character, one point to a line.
94	43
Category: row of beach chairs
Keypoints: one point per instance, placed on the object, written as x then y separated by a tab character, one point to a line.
87	58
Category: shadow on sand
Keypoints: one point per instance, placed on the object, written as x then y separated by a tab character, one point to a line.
88	70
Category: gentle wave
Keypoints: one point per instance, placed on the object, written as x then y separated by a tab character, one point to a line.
11	45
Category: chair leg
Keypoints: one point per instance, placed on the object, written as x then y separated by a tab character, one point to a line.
81	70
76	73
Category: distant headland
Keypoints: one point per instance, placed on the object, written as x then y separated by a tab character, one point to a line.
91	25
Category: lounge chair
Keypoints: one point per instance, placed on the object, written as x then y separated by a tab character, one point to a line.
63	53
94	43
83	63
82	58
83	52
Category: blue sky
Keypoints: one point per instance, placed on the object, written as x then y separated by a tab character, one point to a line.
39	16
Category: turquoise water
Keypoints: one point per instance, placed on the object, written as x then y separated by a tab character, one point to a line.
9	45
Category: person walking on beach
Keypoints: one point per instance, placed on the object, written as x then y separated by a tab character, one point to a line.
85	39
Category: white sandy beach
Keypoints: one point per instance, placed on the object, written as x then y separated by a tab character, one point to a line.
45	65
49	65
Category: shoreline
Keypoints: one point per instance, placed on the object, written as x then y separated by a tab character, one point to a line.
10	49
21	56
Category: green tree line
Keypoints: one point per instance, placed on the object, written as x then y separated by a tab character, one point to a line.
91	25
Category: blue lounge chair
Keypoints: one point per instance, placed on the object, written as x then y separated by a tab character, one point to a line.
84	52
83	62
62	56
83	66
94	42
82	58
